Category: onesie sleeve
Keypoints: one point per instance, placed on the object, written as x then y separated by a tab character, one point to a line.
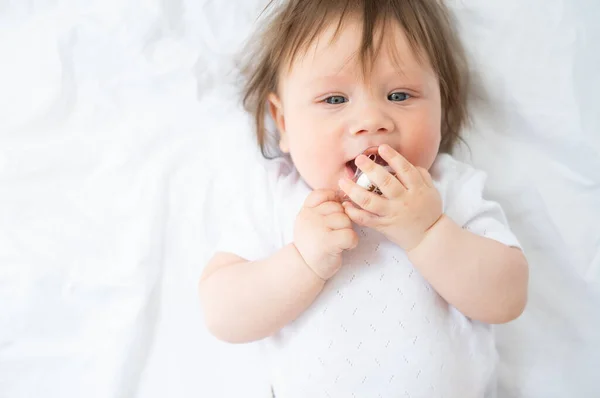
248	228
462	190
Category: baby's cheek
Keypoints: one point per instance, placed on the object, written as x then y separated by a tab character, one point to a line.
423	148
310	161
324	173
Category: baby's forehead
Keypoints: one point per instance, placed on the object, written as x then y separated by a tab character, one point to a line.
339	51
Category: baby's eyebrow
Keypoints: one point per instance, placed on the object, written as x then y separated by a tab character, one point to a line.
396	76
327	79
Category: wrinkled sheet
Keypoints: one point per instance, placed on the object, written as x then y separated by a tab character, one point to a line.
120	138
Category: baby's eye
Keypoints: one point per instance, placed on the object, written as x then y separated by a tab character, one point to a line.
398	97
335	100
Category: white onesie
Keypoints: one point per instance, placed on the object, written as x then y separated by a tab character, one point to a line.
378	330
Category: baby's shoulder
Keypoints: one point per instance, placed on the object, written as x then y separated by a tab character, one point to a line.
254	173
462	188
447	168
269	182
276	175
455	179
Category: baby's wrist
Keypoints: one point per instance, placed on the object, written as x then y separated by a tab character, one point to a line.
409	240
309	267
441	228
422	236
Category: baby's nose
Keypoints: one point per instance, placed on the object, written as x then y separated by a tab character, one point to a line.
372	120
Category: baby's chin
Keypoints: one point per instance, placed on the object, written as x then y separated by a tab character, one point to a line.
331	184
327	181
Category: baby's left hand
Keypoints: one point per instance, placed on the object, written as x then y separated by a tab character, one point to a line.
408	207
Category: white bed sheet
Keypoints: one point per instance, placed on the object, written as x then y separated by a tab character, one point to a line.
115	118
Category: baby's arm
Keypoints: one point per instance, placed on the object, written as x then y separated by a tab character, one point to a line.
245	301
484	279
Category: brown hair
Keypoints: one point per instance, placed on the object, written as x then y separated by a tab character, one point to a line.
295	24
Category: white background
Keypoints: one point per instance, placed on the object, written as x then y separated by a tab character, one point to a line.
119	137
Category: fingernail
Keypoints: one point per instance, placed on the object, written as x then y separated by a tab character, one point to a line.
385	148
360	160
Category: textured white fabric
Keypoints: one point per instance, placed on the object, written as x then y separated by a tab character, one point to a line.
378	329
114	122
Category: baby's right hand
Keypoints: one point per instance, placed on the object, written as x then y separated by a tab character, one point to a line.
322	232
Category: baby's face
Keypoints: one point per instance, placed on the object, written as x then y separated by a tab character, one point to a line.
327	112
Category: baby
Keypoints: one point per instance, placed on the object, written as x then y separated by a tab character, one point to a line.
355	292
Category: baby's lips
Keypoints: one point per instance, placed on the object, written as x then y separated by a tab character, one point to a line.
362	179
373	154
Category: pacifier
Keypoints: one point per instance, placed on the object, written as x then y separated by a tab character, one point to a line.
361	179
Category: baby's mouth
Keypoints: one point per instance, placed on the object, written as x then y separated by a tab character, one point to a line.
351	169
372	153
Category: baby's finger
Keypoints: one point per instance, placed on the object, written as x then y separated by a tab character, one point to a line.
363	198
360	216
426	177
405	171
329	208
345	239
320	196
387	183
338	221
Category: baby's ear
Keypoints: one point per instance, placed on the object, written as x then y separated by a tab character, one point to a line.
276	110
